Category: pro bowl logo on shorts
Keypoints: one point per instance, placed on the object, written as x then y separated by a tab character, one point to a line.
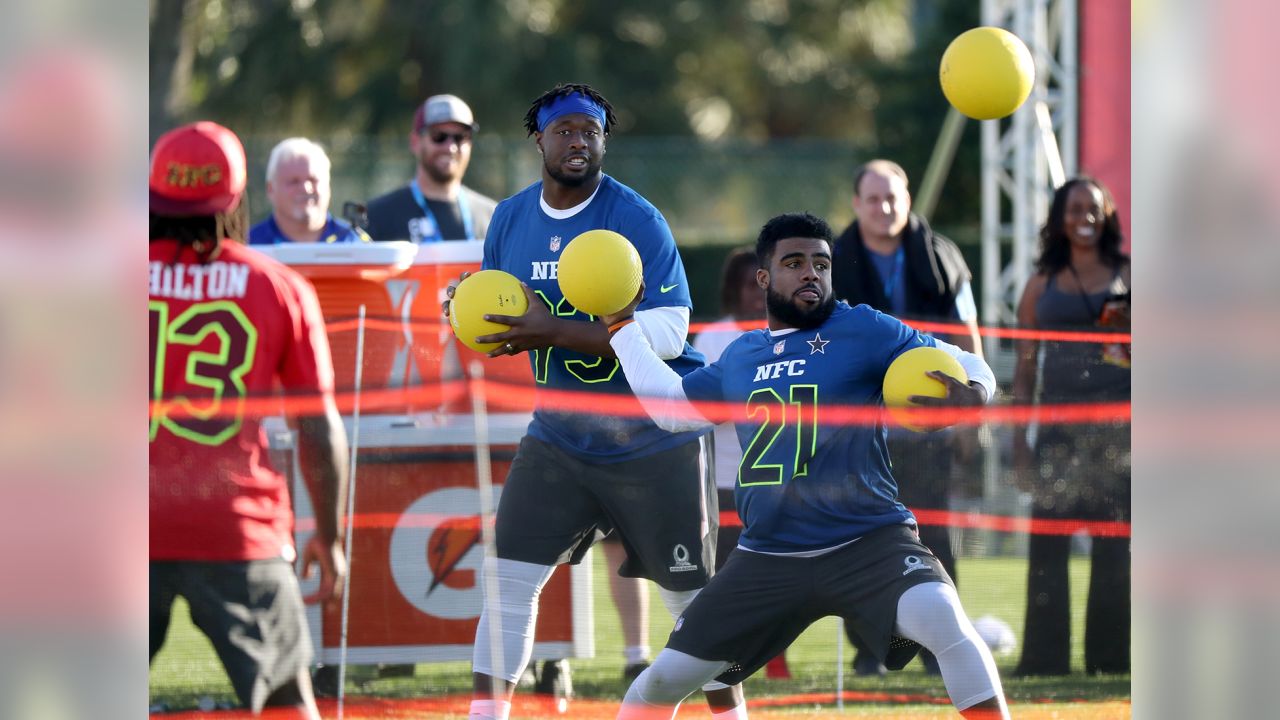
680	554
913	563
436	553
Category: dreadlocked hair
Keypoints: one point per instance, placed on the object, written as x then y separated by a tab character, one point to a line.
561	90
201	233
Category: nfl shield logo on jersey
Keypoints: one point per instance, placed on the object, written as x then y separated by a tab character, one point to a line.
777	348
555	243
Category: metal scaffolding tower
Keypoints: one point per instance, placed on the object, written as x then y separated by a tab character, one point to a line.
1027	155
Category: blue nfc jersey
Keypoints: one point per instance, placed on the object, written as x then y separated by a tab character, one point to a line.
809	481
526	242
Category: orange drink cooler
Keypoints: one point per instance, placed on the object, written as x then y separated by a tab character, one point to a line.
408	346
416	551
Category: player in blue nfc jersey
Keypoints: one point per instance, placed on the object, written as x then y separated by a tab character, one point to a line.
525	238
578	476
824	532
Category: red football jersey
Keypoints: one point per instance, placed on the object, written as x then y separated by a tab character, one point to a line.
226	336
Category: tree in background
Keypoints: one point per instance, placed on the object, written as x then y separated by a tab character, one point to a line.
758	69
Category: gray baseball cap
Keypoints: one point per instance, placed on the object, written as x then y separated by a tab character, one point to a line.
441	109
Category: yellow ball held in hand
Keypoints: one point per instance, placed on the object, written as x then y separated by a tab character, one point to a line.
987	73
906	377
600	272
488	292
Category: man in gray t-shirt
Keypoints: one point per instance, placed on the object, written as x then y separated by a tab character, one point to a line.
435	205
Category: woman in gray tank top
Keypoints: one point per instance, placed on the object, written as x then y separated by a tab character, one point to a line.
1076	471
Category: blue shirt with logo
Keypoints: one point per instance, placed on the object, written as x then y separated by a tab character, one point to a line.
809	479
268	232
525	241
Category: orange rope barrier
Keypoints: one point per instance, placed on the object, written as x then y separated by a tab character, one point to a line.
729	518
420	325
509	396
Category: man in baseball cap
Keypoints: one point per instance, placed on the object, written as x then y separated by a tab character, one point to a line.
435	205
443	109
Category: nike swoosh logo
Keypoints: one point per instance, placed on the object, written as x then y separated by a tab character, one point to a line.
669	288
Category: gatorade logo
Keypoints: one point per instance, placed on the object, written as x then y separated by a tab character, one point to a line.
441	531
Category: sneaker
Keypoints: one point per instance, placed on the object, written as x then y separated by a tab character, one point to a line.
632	671
555	680
866	664
324	681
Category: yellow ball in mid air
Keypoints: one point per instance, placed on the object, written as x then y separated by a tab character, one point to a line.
488	292
906	377
599	272
987	73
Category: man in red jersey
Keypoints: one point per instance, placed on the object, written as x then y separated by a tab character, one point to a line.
229	329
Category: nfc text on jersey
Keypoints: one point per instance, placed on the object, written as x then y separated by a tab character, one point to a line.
545	270
775	370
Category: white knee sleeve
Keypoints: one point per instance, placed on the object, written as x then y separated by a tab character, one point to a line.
675	601
668	681
509	618
930	614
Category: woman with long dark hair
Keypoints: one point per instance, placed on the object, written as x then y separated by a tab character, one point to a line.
1076	471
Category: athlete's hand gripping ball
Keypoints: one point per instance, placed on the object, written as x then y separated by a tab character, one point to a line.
625	313
479	297
926	377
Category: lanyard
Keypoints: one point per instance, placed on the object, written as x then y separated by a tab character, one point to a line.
891	282
463	208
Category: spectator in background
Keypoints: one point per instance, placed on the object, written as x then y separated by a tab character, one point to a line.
435	205
1079	471
889	258
298	190
229	325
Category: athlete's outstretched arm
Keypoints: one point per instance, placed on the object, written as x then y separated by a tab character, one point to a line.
659	388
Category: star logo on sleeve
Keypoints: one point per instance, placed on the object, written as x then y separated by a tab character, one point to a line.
817	344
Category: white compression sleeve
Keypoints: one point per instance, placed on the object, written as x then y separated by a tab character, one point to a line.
930	614
659	388
675	601
666	329
515	608
975	367
666	683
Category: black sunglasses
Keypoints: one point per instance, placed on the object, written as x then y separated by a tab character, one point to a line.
441	138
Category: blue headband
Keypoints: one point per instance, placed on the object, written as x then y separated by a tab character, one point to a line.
568	105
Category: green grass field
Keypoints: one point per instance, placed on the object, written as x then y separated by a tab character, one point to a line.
187	669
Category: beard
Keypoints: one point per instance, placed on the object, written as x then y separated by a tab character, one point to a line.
444	177
793	315
592	171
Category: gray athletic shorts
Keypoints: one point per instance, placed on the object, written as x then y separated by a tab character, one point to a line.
758	604
251	611
662	506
